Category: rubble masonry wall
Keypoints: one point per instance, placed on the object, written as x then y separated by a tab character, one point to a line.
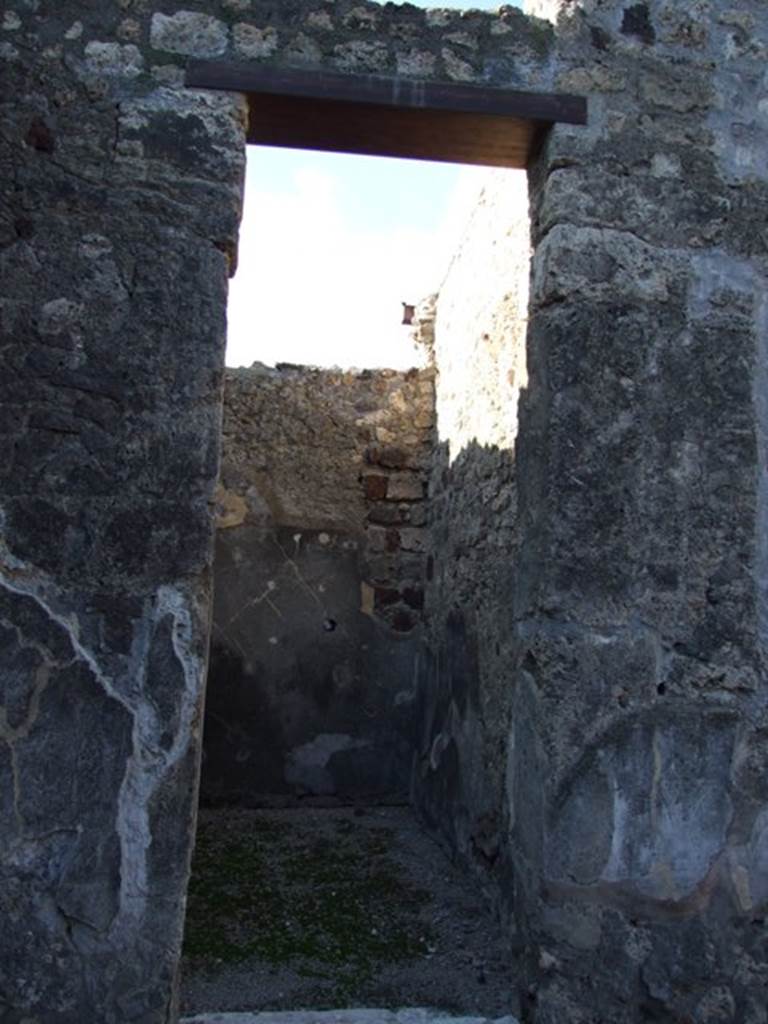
318	586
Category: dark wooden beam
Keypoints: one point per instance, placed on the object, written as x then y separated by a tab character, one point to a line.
390	116
390	131
390	92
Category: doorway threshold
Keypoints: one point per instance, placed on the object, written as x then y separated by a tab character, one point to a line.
419	1015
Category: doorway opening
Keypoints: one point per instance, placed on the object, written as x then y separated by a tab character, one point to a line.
331	705
313	884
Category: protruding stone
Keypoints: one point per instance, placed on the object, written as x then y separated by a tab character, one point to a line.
456	68
304	49
412	539
129	30
251	41
375	487
361	18
390	456
417	63
320	20
361	55
189	33
112	59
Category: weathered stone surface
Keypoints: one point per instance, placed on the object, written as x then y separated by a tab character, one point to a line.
251	41
628	598
598	558
113	59
309	691
109	459
405	487
478	344
189	33
358	1016
305	440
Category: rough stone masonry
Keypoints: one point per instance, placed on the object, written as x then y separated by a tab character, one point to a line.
602	686
319	586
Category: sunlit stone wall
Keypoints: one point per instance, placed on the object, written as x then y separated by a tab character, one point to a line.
480	323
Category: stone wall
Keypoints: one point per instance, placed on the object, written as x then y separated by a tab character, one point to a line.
478	348
319	585
119	199
640	601
631	839
120	196
630	842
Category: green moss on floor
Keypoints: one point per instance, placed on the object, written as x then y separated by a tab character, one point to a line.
330	906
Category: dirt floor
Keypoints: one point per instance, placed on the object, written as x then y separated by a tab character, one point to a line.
323	909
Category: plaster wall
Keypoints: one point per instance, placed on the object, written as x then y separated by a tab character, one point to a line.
319	586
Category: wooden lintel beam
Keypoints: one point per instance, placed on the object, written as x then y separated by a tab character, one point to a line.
390	116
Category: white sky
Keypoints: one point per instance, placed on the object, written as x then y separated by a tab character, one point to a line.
323	269
331	245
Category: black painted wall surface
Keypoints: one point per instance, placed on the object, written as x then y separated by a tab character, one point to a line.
309	697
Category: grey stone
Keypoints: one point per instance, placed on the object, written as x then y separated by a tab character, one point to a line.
113	59
190	33
589	702
355	1016
251	41
405	487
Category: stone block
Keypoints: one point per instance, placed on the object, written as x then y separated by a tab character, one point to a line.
361	55
189	33
405	487
113	59
412	539
375	487
606	263
253	42
392	540
383	513
416	63
388	456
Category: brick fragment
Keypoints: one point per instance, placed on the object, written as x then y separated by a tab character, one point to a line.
375	487
405	487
